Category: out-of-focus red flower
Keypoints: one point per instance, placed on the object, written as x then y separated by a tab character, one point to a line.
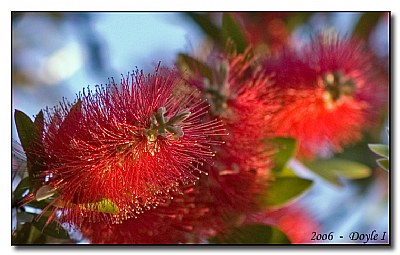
129	145
293	220
264	27
330	93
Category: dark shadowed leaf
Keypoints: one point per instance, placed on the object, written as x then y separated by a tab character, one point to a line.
52	229
206	25
27	131
284	190
21	236
380	149
30	137
230	29
22	187
252	234
194	65
367	23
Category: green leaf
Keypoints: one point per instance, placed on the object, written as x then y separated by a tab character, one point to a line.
26	130
22	187
252	234
380	149
103	206
285	149
194	66
384	163
230	29
52	229
367	23
30	136
23	217
206	25
332	169
21	236
284	190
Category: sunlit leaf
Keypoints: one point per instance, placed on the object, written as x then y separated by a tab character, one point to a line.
332	169
252	234
384	163
285	148
380	149
287	172
44	192
285	189
230	29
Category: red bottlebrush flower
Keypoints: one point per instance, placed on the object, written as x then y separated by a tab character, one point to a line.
236	179
203	210
330	93
129	146
292	220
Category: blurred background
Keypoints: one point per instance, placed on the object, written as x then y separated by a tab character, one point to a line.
55	55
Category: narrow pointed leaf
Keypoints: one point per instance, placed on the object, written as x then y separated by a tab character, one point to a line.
31	142
384	163
285	189
380	149
230	29
341	167
206	25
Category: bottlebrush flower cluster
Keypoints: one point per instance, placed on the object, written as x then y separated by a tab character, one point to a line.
129	145
180	160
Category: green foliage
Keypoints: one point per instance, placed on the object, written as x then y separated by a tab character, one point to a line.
384	163
285	189
231	30
186	62
367	23
252	234
51	228
22	187
206	25
228	33
332	169
381	150
31	140
285	149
